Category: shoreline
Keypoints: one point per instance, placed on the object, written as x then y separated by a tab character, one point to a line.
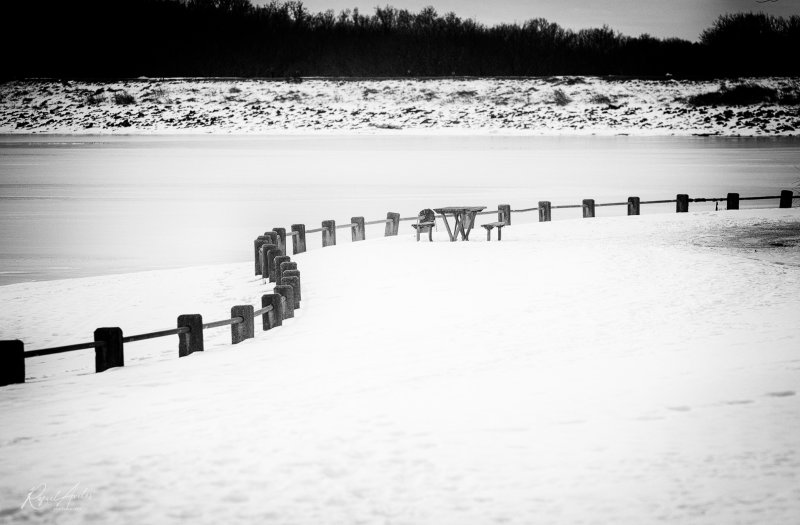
548	106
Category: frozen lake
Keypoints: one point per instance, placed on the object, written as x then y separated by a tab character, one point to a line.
80	206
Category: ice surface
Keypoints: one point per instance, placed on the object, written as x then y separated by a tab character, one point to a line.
82	206
620	370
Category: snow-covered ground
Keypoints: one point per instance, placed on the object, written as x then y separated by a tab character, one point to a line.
623	370
538	106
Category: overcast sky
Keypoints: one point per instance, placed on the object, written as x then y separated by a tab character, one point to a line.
662	18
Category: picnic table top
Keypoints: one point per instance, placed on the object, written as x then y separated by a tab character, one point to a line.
458	209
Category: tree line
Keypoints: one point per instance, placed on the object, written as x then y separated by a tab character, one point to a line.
168	38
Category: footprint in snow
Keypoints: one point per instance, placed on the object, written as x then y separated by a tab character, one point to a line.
783	393
739	402
680	408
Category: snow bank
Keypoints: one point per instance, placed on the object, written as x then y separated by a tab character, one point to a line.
539	106
612	370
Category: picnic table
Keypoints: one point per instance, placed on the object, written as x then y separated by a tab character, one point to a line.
463	217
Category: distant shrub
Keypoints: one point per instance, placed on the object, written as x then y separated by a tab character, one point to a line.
96	98
790	96
123	98
428	95
367	92
234	89
560	98
571	81
598	98
739	95
159	95
290	96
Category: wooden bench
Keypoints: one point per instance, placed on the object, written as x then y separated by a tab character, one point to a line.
498	225
426	222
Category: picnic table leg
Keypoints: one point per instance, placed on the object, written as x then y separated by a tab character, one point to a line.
447	225
470	218
462	218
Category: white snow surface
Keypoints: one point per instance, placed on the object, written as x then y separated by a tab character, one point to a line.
625	370
527	106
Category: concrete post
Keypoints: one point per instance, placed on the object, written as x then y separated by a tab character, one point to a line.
299	240
271	254
294	282
358	230
12	362
191	341
394	226
544	211
634	204
278	260
786	199
274	318
288	293
260	240
265	248
328	233
281	234
109	355
272	237
733	201
283	268
504	213
682	203
588	208
298	295
243	330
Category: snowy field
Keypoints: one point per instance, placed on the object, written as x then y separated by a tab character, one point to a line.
625	370
532	106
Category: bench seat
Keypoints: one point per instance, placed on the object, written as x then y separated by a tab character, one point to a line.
489	226
425	227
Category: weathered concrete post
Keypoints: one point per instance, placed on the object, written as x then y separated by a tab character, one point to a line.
544	211
257	243
110	354
504	213
733	201
191	341
294	282
786	199
394	226
682	203
281	234
588	208
12	362
267	238
243	330
271	254
297	291
278	260
358	231
283	268
299	240
633	205
274	318
328	233
265	248
287	292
